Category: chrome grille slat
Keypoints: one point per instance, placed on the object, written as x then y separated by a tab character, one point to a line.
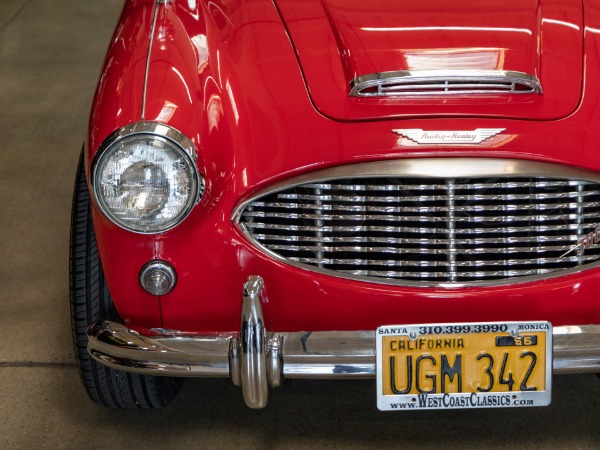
406	240
436	185
388	199
475	274
438	198
415	229
431	263
412	229
408	212
433	248
467	87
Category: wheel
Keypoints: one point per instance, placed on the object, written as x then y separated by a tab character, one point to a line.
91	301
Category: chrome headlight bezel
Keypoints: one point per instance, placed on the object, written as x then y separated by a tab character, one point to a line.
165	134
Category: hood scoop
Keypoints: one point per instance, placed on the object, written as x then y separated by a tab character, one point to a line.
383	60
444	82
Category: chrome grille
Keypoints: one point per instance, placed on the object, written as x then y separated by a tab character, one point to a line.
444	82
414	229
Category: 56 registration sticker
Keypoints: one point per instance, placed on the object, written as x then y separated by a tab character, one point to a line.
464	365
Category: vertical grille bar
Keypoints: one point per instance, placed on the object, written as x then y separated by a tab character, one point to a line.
319	225
580	211
505	201
452	269
534	225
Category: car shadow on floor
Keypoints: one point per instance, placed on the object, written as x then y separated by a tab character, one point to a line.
342	414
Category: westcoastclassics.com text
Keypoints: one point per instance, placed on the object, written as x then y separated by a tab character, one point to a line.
447	401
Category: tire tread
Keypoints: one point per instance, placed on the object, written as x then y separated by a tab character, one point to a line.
90	301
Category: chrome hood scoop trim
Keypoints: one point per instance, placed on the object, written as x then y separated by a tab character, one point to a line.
408	83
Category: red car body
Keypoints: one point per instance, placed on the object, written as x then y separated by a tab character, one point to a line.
261	89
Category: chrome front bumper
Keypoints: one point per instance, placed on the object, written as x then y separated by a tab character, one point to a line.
256	358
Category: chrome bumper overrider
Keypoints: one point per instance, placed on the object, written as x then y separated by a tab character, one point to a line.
256	358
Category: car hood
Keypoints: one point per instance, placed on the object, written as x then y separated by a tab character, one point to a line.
337	41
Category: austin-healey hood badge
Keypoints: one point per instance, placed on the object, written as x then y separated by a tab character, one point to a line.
455	137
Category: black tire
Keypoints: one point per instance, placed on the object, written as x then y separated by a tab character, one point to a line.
91	301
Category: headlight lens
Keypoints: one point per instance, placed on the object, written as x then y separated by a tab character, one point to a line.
145	179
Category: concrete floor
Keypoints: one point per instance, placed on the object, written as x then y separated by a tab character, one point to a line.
50	56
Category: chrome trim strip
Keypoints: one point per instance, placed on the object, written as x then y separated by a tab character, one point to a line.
150	43
150	127
415	83
253	352
430	168
329	354
319	354
576	349
160	353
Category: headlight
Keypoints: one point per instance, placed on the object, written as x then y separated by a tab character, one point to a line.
145	179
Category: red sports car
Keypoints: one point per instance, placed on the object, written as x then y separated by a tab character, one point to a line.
403	191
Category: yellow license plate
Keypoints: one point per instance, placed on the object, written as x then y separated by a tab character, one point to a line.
464	365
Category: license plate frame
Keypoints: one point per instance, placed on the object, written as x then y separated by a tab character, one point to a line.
389	339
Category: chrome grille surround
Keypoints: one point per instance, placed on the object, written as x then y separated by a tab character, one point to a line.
411	83
430	222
